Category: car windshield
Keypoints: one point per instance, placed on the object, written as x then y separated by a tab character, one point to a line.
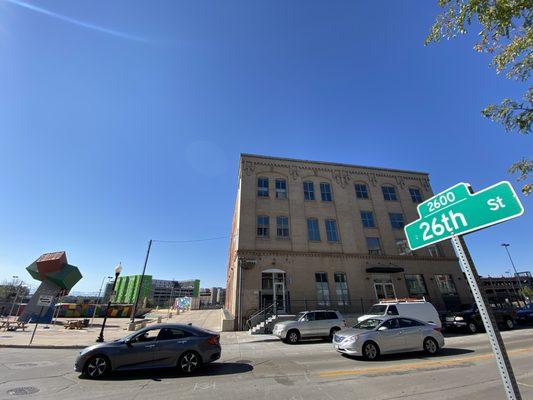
130	336
377	310
368	324
468	307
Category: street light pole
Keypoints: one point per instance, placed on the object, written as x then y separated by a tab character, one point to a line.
506	245
16	295
98	300
118	269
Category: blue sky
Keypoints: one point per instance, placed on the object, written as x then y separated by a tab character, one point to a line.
123	121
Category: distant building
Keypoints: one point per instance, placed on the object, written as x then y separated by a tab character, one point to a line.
128	286
161	292
221	296
217	295
505	290
310	234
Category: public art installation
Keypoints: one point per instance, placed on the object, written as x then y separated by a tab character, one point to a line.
57	277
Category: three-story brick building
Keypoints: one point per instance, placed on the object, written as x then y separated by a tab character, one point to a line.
313	234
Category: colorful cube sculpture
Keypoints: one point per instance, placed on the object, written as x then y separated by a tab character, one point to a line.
57	277
55	268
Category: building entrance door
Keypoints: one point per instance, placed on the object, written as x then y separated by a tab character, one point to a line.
279	295
274	290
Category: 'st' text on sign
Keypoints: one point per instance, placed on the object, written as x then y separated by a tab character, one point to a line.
458	210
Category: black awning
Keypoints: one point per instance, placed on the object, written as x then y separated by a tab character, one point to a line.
383	269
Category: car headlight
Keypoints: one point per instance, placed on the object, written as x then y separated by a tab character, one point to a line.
350	339
459	319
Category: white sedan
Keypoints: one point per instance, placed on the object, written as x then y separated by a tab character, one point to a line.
385	335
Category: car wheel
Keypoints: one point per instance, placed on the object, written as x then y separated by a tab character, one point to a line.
332	333
472	327
371	351
431	346
293	337
97	367
189	362
509	324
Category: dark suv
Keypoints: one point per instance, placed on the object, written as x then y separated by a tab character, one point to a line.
469	319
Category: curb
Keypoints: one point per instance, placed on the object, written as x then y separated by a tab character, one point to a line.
39	346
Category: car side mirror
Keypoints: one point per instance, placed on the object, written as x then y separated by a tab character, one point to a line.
382	328
127	342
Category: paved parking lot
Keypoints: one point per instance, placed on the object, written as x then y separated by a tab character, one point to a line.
269	369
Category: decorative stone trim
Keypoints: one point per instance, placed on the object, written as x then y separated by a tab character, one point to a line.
341	176
361	256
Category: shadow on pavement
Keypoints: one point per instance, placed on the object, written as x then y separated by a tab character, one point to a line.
445	352
449	333
214	369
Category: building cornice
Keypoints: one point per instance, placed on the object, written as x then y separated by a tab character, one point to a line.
360	256
340	173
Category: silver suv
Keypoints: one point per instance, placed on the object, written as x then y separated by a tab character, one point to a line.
308	324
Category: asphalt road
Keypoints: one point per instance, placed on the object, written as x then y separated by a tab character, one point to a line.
270	369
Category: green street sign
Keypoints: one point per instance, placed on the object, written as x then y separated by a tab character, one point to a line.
457	211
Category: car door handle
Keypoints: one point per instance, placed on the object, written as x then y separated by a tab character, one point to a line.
149	346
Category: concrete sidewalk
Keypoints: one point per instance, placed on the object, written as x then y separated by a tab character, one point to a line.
57	337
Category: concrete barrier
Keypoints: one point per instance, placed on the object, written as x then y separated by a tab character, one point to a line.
227	321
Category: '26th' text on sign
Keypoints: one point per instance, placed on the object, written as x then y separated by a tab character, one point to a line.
458	211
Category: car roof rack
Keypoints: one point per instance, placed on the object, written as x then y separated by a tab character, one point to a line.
404	300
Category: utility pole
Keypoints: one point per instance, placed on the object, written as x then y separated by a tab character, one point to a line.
134	310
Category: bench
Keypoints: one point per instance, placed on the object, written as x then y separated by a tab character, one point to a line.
74	324
13	325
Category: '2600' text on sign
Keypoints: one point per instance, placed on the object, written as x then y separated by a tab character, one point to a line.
457	211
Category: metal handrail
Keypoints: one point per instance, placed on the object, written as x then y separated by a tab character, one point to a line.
256	317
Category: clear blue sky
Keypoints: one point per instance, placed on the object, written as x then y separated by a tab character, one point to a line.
123	121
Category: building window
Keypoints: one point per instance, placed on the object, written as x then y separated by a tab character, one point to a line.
389	193
367	218
384	289
416	286
282	227
309	190
403	247
263	223
281	189
445	284
262	187
312	230
374	247
341	289
415	195
396	220
361	191
325	191
322	289
331	230
435	251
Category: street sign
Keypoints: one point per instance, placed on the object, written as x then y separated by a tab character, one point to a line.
45	300
453	213
457	211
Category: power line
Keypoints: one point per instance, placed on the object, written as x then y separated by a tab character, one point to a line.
193	240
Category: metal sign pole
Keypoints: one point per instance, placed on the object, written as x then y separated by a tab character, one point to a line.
36	324
487	316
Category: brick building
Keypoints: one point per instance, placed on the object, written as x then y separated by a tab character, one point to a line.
309	234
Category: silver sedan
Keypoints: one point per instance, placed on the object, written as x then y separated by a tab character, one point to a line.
386	335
